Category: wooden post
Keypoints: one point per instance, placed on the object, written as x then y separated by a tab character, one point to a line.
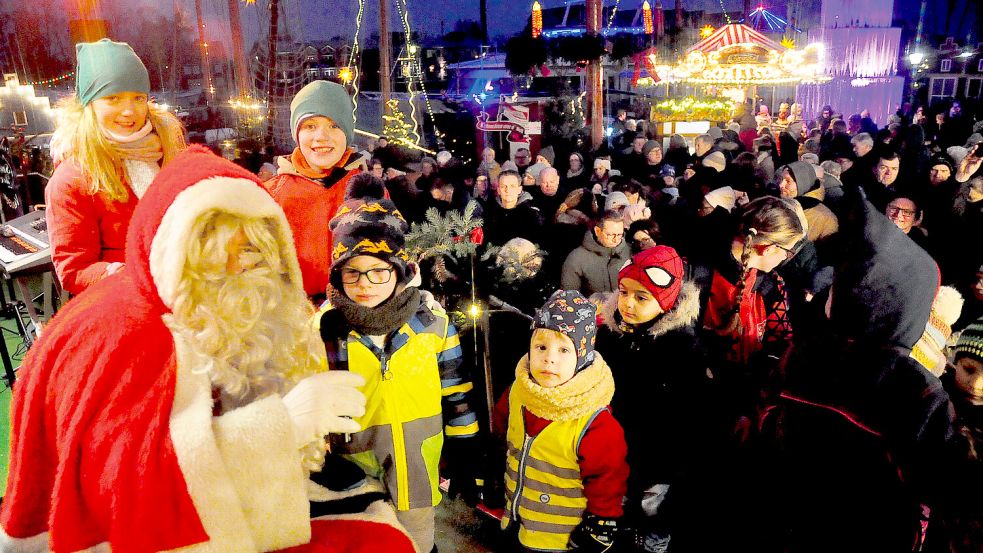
206	75
385	59
271	71
238	52
595	79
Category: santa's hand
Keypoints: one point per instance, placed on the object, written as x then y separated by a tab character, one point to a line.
325	403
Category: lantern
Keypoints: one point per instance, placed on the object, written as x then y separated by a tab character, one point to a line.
647	17
537	20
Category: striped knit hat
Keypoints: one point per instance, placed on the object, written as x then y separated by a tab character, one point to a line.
367	223
970	342
930	348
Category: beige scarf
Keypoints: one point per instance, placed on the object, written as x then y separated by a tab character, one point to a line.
143	145
589	390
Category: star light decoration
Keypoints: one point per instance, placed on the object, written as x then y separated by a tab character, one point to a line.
706	31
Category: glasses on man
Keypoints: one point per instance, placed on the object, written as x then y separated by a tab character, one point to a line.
894	211
378	275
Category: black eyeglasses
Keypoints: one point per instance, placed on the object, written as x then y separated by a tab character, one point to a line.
790	253
377	275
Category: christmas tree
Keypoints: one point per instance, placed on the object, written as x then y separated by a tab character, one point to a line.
397	130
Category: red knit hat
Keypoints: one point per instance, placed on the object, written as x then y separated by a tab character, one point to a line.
660	271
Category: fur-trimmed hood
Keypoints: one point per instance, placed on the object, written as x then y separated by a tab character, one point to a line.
685	313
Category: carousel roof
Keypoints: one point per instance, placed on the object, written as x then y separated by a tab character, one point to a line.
735	33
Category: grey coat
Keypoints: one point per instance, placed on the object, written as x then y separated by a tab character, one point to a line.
593	268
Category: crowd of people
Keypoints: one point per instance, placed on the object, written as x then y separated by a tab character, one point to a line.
769	341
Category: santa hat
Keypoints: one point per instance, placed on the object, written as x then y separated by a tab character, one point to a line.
660	271
368	224
193	183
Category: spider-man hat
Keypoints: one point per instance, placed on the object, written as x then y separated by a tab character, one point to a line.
660	270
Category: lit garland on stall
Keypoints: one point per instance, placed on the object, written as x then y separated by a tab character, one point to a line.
719	68
614	11
692	109
47	82
537	19
647	18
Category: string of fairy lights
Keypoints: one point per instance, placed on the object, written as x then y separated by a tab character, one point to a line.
49	82
404	18
352	70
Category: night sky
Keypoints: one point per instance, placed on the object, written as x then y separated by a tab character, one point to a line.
323	19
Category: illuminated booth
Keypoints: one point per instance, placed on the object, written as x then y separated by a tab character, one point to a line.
727	66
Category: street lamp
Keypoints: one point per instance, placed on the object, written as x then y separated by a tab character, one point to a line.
916	58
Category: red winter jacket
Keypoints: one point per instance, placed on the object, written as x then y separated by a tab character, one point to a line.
602	457
87	232
309	206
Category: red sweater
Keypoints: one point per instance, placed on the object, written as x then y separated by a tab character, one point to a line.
87	232
603	468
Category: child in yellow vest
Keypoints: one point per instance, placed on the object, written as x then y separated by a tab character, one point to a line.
379	325
566	473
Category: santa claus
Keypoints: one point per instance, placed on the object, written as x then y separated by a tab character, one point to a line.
176	404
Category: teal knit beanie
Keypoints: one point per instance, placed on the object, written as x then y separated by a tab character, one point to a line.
327	99
105	68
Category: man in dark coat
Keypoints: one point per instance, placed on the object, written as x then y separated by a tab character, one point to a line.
511	214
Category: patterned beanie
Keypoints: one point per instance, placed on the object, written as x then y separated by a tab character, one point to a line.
970	342
571	314
660	271
368	224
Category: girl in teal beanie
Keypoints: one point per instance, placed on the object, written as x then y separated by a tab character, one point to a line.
110	143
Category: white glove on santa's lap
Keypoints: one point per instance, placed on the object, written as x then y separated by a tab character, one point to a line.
325	403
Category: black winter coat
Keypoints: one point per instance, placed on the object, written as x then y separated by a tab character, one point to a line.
661	388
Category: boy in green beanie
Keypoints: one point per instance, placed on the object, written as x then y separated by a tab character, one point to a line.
310	182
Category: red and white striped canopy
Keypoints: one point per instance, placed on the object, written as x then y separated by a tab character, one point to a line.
735	33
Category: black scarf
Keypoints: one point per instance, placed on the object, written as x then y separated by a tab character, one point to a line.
382	319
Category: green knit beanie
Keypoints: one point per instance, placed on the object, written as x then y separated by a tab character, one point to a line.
327	99
105	68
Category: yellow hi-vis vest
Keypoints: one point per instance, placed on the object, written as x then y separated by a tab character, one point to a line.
543	489
402	429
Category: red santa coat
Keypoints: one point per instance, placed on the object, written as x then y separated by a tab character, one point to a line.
87	231
114	443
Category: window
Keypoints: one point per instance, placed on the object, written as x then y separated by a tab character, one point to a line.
943	87
973	88
20	118
946	66
980	66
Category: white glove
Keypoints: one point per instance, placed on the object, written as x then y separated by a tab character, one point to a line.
325	403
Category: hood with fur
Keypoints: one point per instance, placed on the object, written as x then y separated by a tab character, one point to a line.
684	314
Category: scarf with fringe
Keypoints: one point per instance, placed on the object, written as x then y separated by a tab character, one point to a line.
589	390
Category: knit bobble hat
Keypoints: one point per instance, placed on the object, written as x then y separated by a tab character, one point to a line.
930	348
368	224
970	342
660	271
105	68
571	314
325	99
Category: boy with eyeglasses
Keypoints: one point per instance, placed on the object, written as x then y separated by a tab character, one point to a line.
377	324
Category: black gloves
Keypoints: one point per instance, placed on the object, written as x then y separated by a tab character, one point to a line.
594	534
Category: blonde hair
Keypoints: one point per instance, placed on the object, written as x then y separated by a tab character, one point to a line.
79	138
252	329
767	220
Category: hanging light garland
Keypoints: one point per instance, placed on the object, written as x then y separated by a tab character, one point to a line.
647	18
52	81
537	19
353	66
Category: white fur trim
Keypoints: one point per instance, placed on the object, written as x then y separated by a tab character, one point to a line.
244	478
169	248
39	544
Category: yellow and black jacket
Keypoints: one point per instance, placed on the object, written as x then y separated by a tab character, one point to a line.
416	394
